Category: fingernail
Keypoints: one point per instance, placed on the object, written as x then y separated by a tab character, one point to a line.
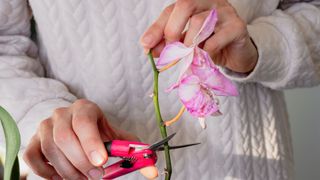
95	173
56	177
97	158
147	39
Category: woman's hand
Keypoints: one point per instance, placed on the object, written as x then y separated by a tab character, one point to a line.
69	144
230	45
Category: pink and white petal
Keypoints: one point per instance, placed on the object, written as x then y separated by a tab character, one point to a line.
201	105
207	58
187	60
221	85
172	87
203	72
207	28
209	107
172	52
217	113
194	104
202	122
202	65
188	88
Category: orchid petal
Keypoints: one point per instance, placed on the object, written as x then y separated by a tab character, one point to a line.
221	85
172	87
202	122
207	28
201	105
211	76
196	100
189	87
172	52
186	64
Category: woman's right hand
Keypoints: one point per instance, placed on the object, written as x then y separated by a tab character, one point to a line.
69	144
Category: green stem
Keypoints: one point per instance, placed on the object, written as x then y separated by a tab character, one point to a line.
161	125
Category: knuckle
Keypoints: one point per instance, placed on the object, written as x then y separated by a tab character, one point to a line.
62	136
83	165
85	103
239	27
59	112
81	102
185	5
81	121
170	34
196	20
229	9
44	124
27	155
167	11
47	149
156	26
39	172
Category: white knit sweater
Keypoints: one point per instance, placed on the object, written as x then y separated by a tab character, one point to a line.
90	49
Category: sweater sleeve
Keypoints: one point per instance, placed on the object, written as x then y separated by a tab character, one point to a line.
24	92
288	44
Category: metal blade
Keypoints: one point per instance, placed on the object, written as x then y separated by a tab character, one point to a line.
156	145
177	147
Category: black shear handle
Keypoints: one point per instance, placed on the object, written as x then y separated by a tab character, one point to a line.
108	145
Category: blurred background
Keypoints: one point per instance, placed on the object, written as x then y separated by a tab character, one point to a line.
304	113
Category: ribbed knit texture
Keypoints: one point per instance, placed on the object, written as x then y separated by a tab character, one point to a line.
90	49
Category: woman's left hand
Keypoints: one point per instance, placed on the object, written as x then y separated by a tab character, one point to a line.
230	46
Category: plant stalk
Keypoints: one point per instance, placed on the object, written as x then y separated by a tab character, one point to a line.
160	122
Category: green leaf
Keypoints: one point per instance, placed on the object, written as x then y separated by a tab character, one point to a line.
12	135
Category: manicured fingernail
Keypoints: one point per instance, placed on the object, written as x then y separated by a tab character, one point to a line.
97	158
147	39
56	177
95	173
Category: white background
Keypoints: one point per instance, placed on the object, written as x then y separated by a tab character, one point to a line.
304	113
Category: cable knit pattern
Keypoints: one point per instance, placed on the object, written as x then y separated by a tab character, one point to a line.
90	49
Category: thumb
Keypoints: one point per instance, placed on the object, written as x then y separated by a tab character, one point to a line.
150	172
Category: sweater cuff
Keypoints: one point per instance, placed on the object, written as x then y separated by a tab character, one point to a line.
268	64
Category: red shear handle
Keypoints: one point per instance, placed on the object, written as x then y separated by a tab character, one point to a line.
134	156
115	170
121	148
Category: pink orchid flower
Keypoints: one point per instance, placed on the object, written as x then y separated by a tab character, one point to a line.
200	81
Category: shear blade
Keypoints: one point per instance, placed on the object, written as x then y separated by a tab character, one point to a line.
156	145
177	147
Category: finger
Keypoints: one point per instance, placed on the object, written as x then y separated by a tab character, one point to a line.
67	141
178	19
85	125
156	51
37	162
195	25
225	36
154	34
150	172
62	165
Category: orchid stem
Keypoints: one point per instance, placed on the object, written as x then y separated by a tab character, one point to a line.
160	122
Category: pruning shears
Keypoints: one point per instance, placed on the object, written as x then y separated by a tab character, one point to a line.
134	155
